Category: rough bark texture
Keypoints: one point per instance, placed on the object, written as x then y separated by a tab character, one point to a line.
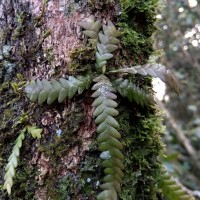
39	40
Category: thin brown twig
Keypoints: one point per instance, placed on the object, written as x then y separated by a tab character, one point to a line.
180	135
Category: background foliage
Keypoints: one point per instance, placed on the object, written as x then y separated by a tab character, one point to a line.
179	37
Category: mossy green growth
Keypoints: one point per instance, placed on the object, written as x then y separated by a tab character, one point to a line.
141	6
25	183
70	185
100	5
139	46
59	144
6	117
137	24
83	184
91	169
82	59
24	180
141	132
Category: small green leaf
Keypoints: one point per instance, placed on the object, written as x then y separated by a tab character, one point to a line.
111	111
111	47
87	24
100	64
101	118
101	48
98	101
72	90
110	103
53	95
103	137
34	96
102	127
103	38
8	187
111	121
107	195
113	40
30	128
46	85
103	57
104	146
62	95
113	132
56	85
43	97
111	177
64	83
91	34
115	143
96	26
36	133
116	153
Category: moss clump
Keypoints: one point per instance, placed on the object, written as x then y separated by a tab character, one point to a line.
6	118
91	170
103	6
69	187
137	24
141	132
139	46
82	59
24	182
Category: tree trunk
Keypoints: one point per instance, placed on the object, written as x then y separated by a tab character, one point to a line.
43	40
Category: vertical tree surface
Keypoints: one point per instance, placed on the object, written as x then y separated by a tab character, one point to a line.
46	41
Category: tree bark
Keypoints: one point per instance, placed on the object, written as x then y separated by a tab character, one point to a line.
42	40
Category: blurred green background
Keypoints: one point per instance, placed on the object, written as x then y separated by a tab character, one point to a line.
179	37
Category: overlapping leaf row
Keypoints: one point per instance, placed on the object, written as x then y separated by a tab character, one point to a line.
106	41
154	70
13	162
41	91
13	158
171	189
108	138
108	44
91	27
134	94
